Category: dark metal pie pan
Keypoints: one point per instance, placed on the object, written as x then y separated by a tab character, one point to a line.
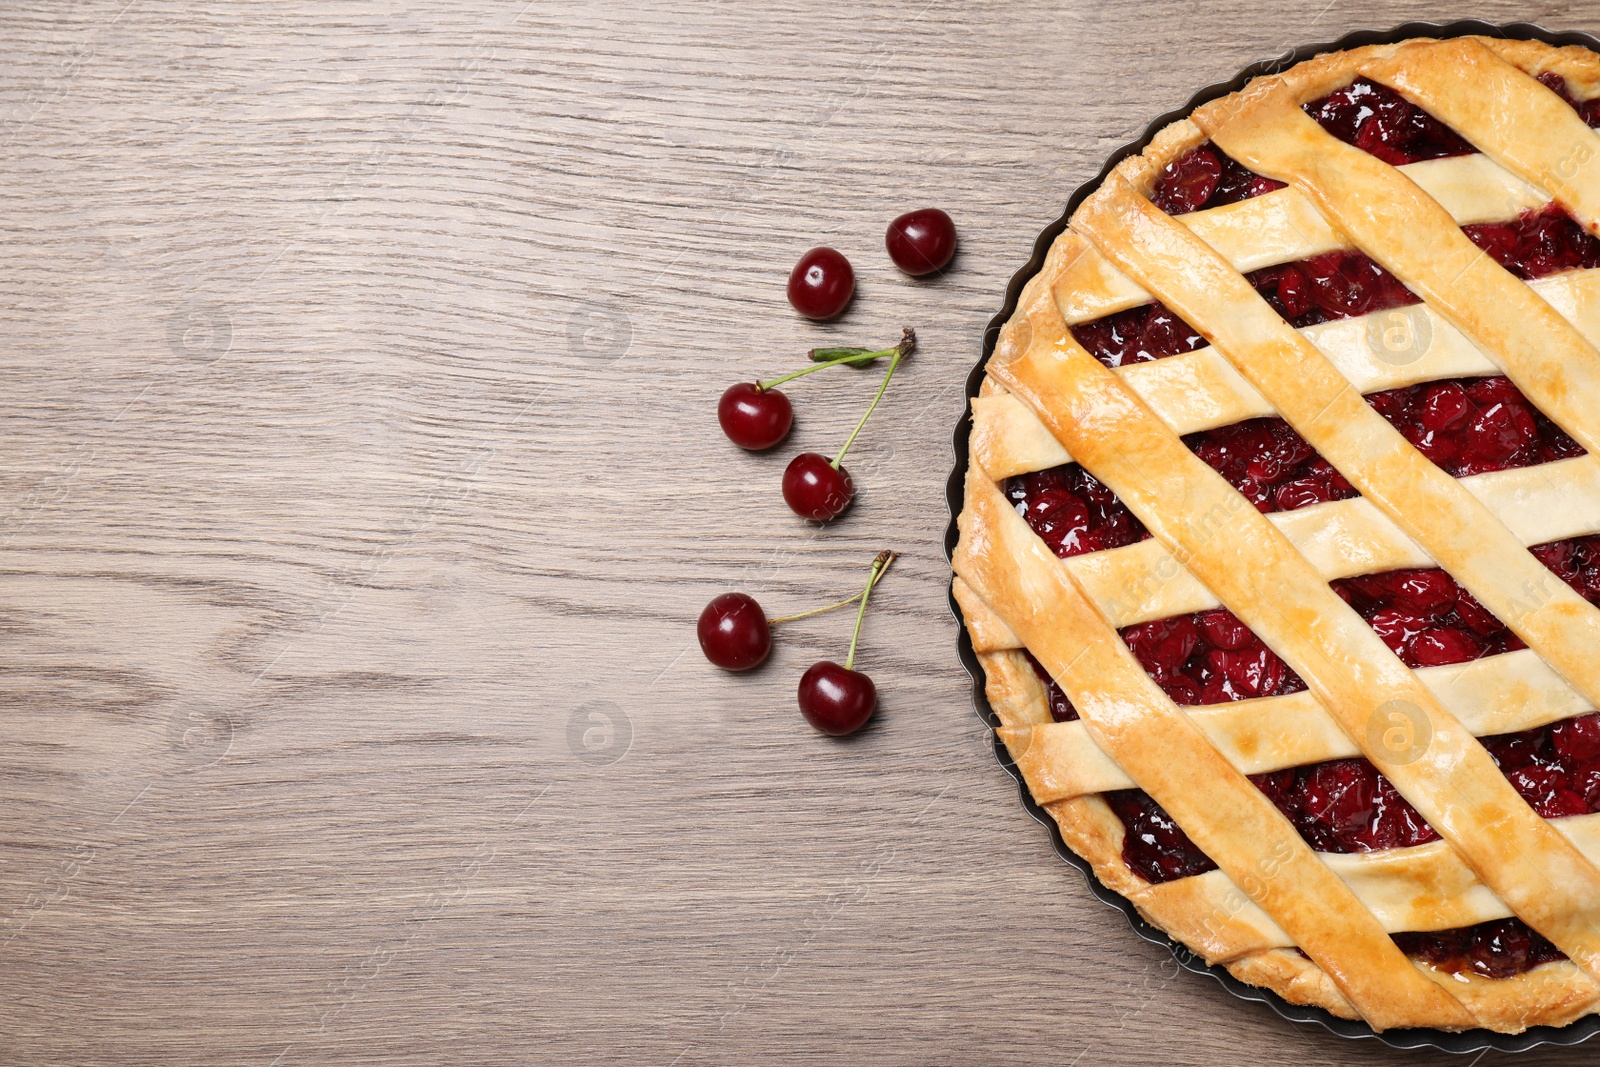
1466	1041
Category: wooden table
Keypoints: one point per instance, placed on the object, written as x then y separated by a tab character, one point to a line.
361	486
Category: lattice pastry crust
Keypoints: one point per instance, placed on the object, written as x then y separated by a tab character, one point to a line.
1046	400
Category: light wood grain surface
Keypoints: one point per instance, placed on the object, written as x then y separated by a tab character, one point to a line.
361	484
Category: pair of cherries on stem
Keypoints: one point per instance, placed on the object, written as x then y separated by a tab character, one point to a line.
736	635
756	416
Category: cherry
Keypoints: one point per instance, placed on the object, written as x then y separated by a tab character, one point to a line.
1205	177
816	487
1537	243
1379	120
1155	846
835	699
921	242
1188	182
839	700
1072	511
736	635
821	284
1162	645
1138	335
753	417
1578	739
734	632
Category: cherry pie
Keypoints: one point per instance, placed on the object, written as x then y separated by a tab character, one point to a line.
1281	537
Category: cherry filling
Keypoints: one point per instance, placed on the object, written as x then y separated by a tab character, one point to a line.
1474	425
1209	658
1425	617
1588	110
1334	285
1207	177
1342	284
1274	467
1137	335
1537	243
1498	949
1465	425
1072	511
1152	844
1345	806
1061	709
1380	121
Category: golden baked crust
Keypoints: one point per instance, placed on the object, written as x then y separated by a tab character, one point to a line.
1045	401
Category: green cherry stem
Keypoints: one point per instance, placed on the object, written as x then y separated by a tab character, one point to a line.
879	566
853	357
907	345
847	600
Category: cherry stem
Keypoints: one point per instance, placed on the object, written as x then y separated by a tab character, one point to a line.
854	357
908	344
847	600
879	566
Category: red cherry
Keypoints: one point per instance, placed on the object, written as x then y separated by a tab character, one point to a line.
1342	795
1586	780
921	242
1578	739
1188	182
1161	646
1224	630
1430	592
1548	791
821	284
734	633
753	417
1437	647
835	700
815	489
1510	751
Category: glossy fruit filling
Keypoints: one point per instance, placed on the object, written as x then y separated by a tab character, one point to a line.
1341	285
1502	948
1474	425
1380	121
1588	110
1425	617
1206	177
1334	285
1274	467
1072	511
1061	709
1209	657
1537	243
